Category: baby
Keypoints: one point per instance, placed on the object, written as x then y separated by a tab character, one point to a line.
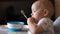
40	22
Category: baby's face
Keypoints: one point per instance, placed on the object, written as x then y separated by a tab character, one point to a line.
37	13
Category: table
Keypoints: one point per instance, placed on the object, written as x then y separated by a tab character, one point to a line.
4	30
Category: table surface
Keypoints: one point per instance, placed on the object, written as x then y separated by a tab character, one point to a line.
4	30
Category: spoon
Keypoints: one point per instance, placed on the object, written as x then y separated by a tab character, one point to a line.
23	13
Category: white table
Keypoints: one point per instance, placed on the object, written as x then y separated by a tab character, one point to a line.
4	30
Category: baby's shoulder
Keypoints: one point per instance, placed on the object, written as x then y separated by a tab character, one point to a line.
45	20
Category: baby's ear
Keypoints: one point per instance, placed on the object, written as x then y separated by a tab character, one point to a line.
46	12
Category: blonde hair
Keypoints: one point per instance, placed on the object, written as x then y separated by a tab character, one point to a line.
45	4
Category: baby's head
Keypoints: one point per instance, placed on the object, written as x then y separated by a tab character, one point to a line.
41	9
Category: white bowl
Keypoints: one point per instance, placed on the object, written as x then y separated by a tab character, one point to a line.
15	26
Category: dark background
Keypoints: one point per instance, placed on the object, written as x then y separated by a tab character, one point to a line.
10	10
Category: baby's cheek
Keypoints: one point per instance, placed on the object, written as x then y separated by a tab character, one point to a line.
37	15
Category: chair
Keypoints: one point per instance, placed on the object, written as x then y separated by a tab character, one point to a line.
56	25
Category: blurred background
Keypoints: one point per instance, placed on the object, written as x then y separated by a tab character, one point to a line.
10	10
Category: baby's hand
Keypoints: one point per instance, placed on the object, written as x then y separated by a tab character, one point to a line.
31	20
33	27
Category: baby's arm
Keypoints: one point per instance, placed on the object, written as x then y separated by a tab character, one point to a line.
33	27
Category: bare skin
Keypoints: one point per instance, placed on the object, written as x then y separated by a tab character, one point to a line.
38	11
